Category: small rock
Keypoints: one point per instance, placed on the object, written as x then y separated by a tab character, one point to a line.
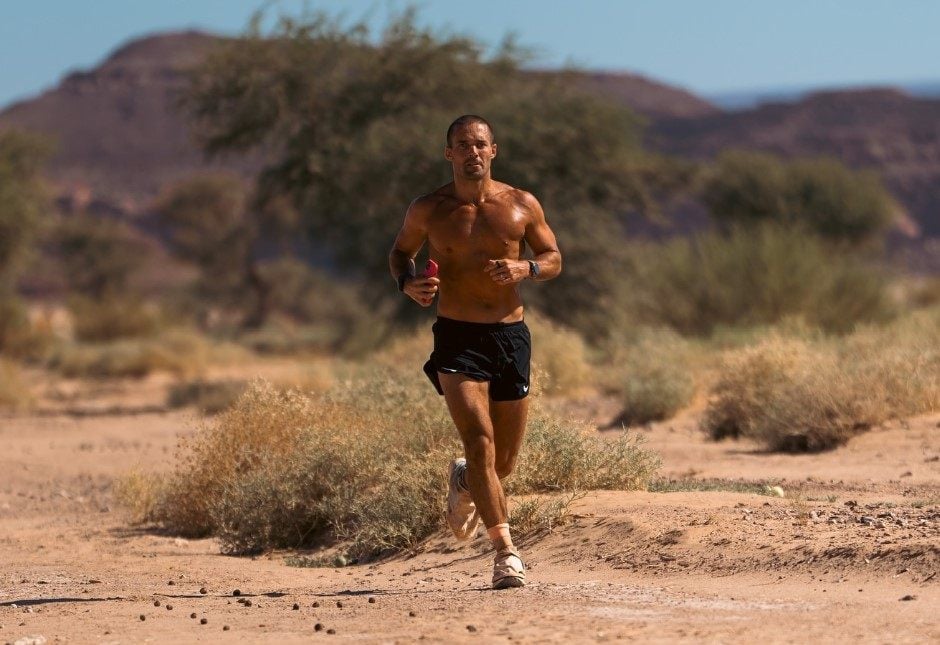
142	617
203	621
192	615
225	628
203	591
471	628
371	601
339	603
170	582
169	607
296	606
156	603
331	631
318	627
412	613
237	592
315	603
248	602
909	597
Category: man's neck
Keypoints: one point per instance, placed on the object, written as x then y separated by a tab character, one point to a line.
473	190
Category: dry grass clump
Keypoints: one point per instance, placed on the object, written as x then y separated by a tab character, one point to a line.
804	395
653	376
541	514
559	355
14	394
364	465
177	351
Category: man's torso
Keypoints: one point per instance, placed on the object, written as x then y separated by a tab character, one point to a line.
463	237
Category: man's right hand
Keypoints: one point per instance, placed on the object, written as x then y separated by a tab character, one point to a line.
422	290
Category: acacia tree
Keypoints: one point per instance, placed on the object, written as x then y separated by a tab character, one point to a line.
353	128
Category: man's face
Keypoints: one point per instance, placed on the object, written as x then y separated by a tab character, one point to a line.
471	151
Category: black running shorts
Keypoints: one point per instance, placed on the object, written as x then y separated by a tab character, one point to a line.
494	352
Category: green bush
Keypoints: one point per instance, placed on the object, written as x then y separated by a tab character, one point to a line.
755	276
821	196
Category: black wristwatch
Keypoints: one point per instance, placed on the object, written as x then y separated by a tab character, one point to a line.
402	278
533	269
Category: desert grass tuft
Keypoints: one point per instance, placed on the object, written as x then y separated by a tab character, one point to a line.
804	394
363	466
541	514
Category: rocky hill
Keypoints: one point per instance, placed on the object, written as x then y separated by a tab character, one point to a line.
121	138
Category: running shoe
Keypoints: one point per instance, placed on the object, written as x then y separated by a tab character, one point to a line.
508	569
462	516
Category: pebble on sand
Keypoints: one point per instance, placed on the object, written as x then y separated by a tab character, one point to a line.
142	617
225	628
192	615
339	603
412	613
203	621
315	604
169	607
318	627
237	592
371	600
909	597
331	631
296	606
156	603
471	628
203	591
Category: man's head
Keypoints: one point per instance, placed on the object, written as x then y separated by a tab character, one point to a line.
470	147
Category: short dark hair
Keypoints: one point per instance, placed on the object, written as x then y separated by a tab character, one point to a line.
467	119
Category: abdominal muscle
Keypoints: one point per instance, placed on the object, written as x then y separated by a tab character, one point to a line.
478	299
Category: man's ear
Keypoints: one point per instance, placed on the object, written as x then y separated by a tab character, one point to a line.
448	153
494	150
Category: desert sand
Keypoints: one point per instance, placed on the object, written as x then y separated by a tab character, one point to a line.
851	554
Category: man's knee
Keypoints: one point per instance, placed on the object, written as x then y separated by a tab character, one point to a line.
480	451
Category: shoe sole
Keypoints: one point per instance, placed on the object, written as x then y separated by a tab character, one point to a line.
509	582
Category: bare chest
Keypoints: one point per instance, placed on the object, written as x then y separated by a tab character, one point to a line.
470	230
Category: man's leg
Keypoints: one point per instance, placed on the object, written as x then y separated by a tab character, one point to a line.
509	419
469	405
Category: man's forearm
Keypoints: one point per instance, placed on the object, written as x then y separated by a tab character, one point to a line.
549	265
400	262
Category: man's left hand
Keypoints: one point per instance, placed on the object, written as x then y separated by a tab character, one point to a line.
506	271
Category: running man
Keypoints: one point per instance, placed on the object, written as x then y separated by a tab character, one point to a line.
476	229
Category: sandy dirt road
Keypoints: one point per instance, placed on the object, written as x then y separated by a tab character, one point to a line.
852	554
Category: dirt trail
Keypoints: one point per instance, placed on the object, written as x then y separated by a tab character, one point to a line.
859	531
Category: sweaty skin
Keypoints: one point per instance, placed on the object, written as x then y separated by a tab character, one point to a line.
476	229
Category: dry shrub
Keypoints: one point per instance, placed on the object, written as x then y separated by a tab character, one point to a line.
364	465
653	376
139	493
541	514
14	394
180	352
112	318
805	395
560	356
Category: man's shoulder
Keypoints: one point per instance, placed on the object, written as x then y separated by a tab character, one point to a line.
518	196
428	202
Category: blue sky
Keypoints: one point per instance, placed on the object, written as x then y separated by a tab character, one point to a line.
707	46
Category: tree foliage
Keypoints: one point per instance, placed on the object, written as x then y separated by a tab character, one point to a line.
353	126
820	195
22	197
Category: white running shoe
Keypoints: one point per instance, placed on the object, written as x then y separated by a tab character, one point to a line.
462	516
508	569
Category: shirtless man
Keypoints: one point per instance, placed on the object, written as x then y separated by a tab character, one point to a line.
475	227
